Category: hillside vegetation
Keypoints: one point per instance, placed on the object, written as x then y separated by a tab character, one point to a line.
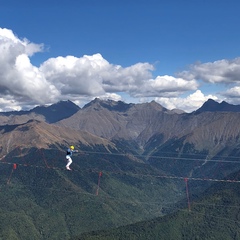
42	200
138	168
215	216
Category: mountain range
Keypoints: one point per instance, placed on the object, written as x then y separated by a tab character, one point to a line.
134	157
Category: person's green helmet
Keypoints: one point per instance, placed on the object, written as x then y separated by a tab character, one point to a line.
72	147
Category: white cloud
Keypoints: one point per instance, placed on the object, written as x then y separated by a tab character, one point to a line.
164	86
81	79
111	96
32	83
8	103
221	71
77	79
18	77
93	75
188	104
232	94
72	75
127	79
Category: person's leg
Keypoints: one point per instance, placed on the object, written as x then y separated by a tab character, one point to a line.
69	162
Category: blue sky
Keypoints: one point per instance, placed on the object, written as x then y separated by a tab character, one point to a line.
176	52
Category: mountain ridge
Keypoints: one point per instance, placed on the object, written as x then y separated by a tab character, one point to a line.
137	156
38	134
50	114
213	106
144	122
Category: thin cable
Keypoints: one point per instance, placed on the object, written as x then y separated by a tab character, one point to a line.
164	157
101	197
98	185
187	193
137	202
130	174
216	217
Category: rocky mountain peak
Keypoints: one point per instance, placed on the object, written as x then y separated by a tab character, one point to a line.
111	105
212	106
57	111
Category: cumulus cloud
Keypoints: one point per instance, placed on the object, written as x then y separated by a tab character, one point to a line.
72	75
62	78
93	75
232	94
188	104
221	71
80	79
8	103
164	86
18	77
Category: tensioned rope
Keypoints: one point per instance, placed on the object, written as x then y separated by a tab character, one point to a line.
132	174
127	173
186	179
168	157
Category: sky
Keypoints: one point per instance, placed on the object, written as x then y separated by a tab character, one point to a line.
178	53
